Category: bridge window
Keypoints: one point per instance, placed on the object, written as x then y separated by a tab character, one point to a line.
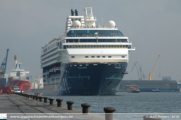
71	40
86	56
88	33
97	46
72	56
122	40
92	56
95	40
106	40
88	40
109	56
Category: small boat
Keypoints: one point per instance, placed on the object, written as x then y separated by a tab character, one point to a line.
155	90
133	90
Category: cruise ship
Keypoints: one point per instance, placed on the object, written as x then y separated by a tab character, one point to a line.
88	59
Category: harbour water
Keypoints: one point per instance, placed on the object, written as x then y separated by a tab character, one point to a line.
123	102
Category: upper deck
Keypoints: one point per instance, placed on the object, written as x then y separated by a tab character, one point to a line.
83	39
94	32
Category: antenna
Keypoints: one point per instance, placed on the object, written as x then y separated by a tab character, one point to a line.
90	19
102	16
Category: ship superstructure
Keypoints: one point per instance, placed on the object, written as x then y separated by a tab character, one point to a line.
88	59
18	78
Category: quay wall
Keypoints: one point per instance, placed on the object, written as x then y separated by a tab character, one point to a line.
153	84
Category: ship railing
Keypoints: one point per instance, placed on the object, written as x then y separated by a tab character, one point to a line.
91	35
97	26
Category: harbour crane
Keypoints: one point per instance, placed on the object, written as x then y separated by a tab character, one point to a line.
150	74
139	69
3	65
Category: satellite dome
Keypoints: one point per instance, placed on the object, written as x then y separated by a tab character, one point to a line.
111	24
76	23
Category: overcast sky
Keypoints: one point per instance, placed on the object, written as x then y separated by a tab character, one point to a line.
153	26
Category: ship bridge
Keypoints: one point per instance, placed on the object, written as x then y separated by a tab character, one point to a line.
98	32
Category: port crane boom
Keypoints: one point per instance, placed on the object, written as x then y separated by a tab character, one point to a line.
152	76
3	65
139	69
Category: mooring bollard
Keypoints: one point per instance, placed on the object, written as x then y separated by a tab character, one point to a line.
151	117
27	96
109	113
69	105
34	96
45	99
59	102
51	101
37	97
40	98
85	107
30	96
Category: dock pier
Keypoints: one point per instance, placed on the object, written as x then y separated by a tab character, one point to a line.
26	105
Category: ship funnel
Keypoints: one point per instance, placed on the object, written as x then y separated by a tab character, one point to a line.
72	12
76	12
15	57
